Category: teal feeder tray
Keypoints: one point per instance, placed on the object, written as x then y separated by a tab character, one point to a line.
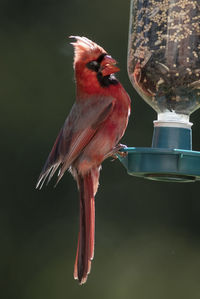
170	159
164	68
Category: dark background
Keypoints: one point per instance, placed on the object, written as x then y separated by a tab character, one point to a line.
147	233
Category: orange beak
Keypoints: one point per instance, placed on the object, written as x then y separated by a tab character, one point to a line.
108	66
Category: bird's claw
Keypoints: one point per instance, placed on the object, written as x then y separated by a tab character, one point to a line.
117	151
122	154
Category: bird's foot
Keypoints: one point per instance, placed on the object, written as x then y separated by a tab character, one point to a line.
117	152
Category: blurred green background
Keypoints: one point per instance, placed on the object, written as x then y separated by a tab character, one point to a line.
147	233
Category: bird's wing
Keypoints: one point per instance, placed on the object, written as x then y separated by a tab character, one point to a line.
80	126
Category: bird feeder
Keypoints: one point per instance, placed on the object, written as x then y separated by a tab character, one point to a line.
164	68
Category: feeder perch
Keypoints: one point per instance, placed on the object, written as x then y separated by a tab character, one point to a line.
164	68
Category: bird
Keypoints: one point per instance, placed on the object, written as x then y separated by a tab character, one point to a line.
90	134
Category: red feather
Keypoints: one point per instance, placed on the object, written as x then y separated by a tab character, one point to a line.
90	134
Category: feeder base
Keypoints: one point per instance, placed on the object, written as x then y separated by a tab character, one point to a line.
160	164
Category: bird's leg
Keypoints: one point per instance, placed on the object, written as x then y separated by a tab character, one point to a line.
116	151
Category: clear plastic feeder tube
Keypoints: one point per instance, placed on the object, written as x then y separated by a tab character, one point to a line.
164	57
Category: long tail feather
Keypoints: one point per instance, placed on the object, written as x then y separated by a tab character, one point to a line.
85	249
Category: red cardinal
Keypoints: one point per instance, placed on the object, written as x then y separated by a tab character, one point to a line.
90	134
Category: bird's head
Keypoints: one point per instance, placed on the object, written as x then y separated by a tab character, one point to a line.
93	66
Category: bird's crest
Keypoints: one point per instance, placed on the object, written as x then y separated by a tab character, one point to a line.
85	49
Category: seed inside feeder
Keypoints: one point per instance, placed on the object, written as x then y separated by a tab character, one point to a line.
164	58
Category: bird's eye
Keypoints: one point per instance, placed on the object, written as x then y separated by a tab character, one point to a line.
101	57
93	65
